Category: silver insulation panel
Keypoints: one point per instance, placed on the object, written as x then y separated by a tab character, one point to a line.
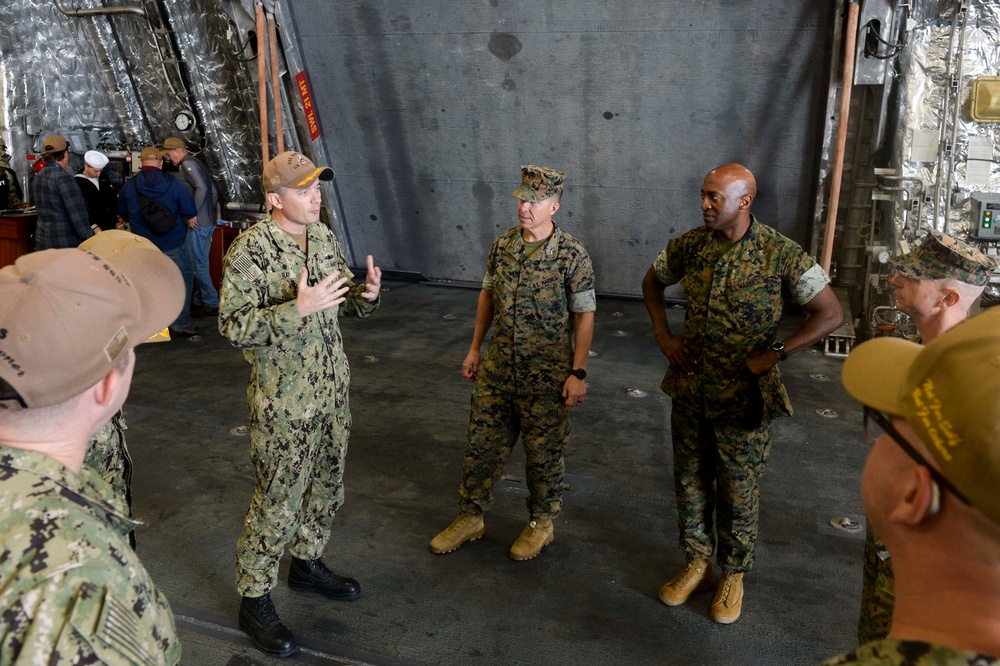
117	81
944	55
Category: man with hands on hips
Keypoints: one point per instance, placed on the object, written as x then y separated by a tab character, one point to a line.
723	379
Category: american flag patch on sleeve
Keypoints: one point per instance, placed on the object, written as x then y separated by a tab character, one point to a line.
246	268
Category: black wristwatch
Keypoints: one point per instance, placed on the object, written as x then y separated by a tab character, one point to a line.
779	347
579	373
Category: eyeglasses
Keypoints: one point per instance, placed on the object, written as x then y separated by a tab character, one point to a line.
884	425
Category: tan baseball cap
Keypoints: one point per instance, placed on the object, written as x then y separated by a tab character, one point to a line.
173	143
68	315
294	170
54	144
113	243
948	392
150	154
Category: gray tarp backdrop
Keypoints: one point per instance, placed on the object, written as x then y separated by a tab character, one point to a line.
428	109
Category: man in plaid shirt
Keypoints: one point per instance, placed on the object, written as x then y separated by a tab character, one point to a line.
63	220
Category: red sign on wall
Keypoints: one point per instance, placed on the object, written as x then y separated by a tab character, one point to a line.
307	105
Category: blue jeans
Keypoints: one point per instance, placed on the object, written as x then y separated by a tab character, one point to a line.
199	241
182	257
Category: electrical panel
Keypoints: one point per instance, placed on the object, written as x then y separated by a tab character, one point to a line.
986	208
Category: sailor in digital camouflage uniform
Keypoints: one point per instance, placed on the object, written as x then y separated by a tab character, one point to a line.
72	591
929	487
723	377
935	285
106	450
538	295
285	283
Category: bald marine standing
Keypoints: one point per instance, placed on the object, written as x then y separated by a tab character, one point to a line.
723	378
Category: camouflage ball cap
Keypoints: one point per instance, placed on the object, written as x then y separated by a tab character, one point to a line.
947	391
294	170
939	257
539	183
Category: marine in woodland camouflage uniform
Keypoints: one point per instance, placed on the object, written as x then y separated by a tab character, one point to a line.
735	302
71	589
939	257
297	393
525	366
538	296
723	377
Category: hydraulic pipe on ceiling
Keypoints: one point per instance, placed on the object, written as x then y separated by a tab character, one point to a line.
97	11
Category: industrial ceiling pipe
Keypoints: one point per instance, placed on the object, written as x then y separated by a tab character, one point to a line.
262	77
845	108
272	38
97	11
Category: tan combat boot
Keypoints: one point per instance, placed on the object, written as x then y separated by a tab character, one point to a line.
697	574
536	535
729	599
464	528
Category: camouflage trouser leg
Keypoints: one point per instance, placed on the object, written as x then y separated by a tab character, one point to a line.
716	470
496	419
545	432
107	453
299	467
877	590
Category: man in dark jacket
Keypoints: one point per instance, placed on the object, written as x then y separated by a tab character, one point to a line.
152	183
97	191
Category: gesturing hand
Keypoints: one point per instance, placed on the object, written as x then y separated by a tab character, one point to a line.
328	292
373	281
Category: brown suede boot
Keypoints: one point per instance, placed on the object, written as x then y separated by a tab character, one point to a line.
536	535
728	601
464	528
697	574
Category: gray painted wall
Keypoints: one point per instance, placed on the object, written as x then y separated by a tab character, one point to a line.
430	108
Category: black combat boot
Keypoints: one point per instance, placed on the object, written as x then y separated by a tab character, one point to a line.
308	575
260	622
